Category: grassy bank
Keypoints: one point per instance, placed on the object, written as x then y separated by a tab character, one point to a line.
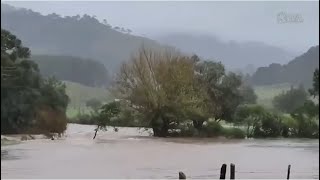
80	94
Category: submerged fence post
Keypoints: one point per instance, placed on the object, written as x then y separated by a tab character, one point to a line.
182	175
232	171
223	171
288	173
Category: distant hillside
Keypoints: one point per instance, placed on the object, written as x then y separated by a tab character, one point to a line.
71	36
80	94
83	71
299	70
235	55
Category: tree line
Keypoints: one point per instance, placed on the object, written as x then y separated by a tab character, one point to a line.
178	95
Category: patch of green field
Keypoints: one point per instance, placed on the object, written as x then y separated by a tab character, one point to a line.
267	93
79	94
74	111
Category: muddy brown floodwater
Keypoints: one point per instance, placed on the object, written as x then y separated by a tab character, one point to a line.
132	153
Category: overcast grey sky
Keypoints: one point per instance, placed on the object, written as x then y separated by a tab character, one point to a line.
240	21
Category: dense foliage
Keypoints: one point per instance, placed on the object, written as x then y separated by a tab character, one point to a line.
28	101
169	88
180	95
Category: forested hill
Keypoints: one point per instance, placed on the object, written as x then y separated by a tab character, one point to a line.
72	36
84	71
88	38
299	70
245	56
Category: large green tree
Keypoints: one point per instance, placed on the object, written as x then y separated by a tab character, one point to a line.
225	90
19	81
25	96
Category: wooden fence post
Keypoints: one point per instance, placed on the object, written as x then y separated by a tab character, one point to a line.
232	171
223	171
182	175
288	173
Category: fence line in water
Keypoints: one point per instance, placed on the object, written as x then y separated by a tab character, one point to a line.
223	172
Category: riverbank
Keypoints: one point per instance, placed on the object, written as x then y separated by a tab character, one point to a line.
12	139
87	132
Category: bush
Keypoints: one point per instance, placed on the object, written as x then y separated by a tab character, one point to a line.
49	120
187	130
234	133
212	129
307	120
271	125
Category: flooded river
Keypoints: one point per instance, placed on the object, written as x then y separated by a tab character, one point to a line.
132	153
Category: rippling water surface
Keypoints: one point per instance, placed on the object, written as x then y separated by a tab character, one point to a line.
132	153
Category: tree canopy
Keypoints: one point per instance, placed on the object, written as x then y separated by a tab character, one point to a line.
26	98
170	88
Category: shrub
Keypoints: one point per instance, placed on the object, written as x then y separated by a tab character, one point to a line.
212	129
234	133
49	120
187	130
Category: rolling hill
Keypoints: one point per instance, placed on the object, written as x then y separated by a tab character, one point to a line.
84	71
298	71
237	56
86	37
77	36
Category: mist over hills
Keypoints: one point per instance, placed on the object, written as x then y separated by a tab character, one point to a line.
243	56
86	37
67	68
298	71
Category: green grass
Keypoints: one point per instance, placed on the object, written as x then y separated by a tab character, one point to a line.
79	94
73	112
267	93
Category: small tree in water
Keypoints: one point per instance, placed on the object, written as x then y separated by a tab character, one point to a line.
107	112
